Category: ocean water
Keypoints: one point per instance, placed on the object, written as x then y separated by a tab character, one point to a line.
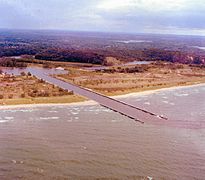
90	141
134	41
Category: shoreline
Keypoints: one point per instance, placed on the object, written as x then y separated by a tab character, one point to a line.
91	102
147	92
82	103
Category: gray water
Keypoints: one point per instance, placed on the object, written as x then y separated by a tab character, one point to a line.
90	142
138	63
133	41
18	71
199	47
95	68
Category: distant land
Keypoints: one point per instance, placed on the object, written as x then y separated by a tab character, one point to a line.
108	63
94	47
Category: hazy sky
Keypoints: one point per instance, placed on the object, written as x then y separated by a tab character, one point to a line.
149	16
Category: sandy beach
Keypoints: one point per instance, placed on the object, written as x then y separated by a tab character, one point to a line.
157	90
83	103
90	102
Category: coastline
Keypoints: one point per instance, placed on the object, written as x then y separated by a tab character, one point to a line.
91	102
147	92
82	103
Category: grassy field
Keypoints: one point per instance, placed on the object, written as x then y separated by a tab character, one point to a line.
118	80
29	90
43	100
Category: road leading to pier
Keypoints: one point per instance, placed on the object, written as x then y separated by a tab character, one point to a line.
123	108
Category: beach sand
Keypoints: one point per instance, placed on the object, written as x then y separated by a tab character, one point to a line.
90	102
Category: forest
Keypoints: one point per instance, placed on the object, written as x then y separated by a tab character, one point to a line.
82	47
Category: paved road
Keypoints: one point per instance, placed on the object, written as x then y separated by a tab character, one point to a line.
130	111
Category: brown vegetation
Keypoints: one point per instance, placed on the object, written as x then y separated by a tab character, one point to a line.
116	80
95	47
28	89
11	62
71	56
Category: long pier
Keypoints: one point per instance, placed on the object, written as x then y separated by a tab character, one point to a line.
123	108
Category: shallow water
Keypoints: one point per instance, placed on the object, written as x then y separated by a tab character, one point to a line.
18	71
139	63
184	106
89	142
134	41
199	47
95	68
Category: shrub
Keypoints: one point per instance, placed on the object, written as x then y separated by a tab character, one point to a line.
23	95
29	74
23	73
10	96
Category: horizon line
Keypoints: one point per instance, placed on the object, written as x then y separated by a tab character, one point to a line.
106	32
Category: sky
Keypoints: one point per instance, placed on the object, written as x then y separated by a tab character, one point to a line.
132	16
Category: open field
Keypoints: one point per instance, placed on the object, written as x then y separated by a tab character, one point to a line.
31	61
118	80
26	89
115	80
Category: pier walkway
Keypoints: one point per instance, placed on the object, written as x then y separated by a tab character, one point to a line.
123	108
